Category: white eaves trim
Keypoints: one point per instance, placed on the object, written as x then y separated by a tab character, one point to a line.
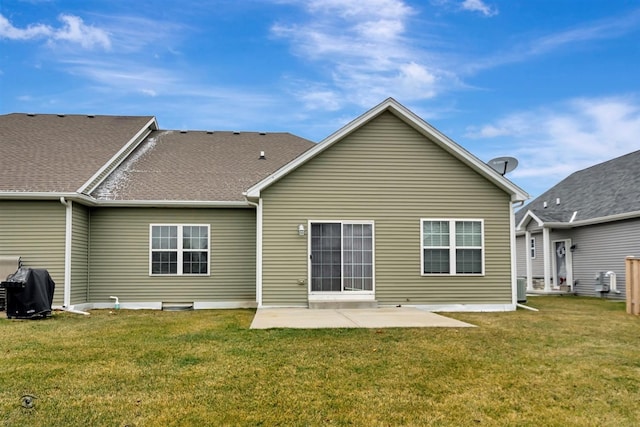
593	221
529	215
90	201
136	140
393	106
575	224
19	195
173	203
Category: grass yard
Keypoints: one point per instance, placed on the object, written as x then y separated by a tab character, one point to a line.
574	363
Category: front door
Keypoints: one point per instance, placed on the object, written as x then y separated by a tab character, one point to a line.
341	257
562	265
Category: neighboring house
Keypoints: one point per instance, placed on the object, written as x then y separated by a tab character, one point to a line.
387	211
575	237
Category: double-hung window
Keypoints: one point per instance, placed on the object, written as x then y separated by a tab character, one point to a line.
179	249
452	246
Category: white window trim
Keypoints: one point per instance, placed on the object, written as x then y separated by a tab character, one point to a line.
532	247
452	247
373	259
180	250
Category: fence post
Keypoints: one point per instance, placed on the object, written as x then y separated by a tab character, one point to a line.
633	285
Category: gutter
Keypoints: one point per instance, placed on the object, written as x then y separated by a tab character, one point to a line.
590	221
39	195
90	201
173	203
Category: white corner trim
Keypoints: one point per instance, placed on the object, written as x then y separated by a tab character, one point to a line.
68	236
259	253
514	263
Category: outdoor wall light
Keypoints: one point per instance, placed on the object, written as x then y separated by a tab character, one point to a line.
301	230
573	248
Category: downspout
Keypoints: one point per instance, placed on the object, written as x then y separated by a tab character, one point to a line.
67	251
514	265
258	207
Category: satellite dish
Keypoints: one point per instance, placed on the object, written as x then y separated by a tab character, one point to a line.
503	165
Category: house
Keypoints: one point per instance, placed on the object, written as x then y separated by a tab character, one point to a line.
387	210
575	236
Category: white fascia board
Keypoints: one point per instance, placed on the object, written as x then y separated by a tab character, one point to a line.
390	104
593	221
173	204
529	216
136	140
87	200
20	195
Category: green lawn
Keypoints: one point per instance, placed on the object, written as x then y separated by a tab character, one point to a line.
576	362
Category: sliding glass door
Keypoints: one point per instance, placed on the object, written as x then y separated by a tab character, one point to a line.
341	257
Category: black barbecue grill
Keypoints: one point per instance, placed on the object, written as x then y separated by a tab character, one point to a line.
29	294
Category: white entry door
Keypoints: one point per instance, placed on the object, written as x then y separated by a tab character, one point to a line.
562	264
341	257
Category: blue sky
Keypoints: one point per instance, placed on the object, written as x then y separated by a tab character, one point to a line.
554	83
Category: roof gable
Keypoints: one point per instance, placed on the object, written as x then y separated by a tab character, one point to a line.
408	117
607	190
527	218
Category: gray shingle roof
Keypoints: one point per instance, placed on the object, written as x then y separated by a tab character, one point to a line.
52	153
199	166
606	189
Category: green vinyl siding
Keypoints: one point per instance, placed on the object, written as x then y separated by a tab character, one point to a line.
80	254
388	173
119	256
35	231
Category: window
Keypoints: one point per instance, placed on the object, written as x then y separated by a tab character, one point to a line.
532	247
451	246
179	250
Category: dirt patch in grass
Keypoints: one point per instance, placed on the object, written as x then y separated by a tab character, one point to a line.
576	362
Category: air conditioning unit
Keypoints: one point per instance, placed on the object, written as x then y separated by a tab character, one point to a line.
602	282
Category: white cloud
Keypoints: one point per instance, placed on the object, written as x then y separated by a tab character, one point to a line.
478	6
8	31
73	30
392	9
597	30
123	75
365	52
603	29
551	143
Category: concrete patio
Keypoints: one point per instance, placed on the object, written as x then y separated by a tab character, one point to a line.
388	317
